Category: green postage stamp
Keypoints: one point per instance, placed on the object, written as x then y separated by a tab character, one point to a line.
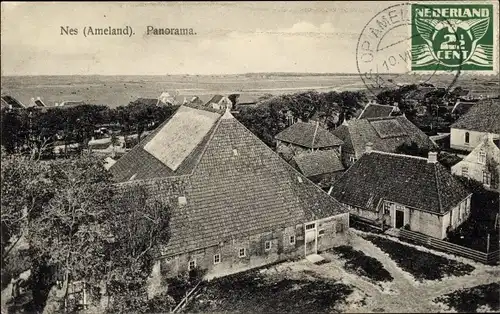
454	37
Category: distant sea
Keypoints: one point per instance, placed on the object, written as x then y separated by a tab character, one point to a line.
120	90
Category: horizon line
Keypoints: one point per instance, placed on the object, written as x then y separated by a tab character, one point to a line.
214	74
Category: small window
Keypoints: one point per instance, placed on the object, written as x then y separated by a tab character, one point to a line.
494	182
242	252
192	264
339	227
481	158
267	245
387	208
182	201
310	226
292	239
321	233
216	258
465	171
486	177
467	138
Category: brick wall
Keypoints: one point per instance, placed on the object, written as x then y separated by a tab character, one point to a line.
256	255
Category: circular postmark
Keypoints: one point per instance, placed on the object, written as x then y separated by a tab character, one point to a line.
384	51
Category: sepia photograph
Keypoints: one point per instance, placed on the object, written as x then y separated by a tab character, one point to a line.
250	157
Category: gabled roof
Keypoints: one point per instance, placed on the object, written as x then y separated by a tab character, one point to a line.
38	102
215	99
462	107
309	135
376	111
11	101
318	162
483	117
408	180
488	145
386	134
236	186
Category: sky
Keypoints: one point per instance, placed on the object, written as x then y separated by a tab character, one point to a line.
231	37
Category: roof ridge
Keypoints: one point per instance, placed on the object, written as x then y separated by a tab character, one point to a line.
398	155
437	187
122	183
381	118
314	135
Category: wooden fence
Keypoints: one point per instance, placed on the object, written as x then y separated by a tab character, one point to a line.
185	300
452	248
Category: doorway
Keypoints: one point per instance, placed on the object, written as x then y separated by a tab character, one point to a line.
400	216
311	239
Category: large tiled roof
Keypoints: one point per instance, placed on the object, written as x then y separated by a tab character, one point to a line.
408	180
318	162
386	134
483	117
140	163
236	186
303	134
376	111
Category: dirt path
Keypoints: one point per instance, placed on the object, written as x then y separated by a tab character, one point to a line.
408	294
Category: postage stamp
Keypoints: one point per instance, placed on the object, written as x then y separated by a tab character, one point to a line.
445	37
414	41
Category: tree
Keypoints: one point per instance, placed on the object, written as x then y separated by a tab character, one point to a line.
140	226
412	149
72	230
26	188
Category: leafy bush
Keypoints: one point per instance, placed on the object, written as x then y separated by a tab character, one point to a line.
363	265
468	300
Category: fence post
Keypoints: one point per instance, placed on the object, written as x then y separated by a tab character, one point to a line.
488	244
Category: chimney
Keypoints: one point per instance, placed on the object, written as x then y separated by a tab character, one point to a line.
432	159
38	98
368	147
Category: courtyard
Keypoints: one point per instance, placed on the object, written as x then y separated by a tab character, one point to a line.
360	279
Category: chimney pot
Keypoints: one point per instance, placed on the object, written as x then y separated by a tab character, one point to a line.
368	147
432	159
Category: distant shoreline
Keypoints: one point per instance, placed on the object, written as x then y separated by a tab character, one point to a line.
292	74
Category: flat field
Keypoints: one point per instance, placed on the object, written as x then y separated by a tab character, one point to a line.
120	90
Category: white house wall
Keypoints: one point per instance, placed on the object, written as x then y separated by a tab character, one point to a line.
457	139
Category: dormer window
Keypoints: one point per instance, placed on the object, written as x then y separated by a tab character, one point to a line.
299	179
235	152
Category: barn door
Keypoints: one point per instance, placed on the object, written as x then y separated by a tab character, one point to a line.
311	239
